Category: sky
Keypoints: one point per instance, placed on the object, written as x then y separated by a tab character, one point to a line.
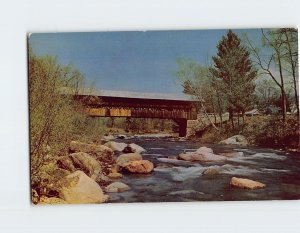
132	61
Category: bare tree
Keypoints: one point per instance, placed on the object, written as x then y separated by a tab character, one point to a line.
267	63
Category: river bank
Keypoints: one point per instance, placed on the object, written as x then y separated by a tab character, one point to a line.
174	179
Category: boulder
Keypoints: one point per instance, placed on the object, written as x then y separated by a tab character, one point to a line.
51	201
187	193
101	152
235	140
133	148
185	156
86	163
203	154
117	187
78	188
208	157
246	183
116	146
125	158
65	162
204	150
211	172
114	175
140	166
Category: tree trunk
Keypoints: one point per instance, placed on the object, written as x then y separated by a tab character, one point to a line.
283	103
220	110
214	112
231	118
293	65
204	110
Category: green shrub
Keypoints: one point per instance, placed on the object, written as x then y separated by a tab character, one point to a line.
54	118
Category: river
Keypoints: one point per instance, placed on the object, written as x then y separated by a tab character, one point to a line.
176	180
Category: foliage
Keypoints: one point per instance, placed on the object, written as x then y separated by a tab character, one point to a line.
233	67
54	116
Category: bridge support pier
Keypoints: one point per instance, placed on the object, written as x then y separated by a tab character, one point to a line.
182	123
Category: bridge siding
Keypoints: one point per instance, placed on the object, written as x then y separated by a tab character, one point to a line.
178	110
141	113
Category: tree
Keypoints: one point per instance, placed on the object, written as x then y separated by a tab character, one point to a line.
290	53
234	69
279	61
267	94
196	81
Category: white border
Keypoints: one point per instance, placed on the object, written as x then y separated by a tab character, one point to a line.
20	17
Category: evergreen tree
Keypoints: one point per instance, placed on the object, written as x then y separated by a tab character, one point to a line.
233	68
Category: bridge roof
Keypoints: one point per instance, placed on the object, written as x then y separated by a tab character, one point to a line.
136	95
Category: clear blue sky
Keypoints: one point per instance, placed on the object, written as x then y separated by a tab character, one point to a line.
131	61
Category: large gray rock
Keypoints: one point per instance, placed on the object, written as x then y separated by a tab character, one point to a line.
235	140
78	188
125	158
133	148
116	146
203	154
101	152
117	187
86	163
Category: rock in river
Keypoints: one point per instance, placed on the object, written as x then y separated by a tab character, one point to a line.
211	172
133	148
116	146
117	187
125	158
203	154
246	183
140	166
235	140
114	175
78	188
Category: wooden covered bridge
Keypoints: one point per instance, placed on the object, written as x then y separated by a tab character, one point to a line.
105	103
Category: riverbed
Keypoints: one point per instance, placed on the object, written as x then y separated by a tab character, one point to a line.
182	181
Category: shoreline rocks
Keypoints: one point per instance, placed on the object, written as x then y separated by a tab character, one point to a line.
235	140
80	161
116	146
101	152
246	183
78	188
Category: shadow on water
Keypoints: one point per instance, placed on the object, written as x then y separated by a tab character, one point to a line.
175	180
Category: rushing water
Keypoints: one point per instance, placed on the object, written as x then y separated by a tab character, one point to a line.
176	180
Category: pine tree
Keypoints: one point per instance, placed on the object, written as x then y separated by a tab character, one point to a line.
233	68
